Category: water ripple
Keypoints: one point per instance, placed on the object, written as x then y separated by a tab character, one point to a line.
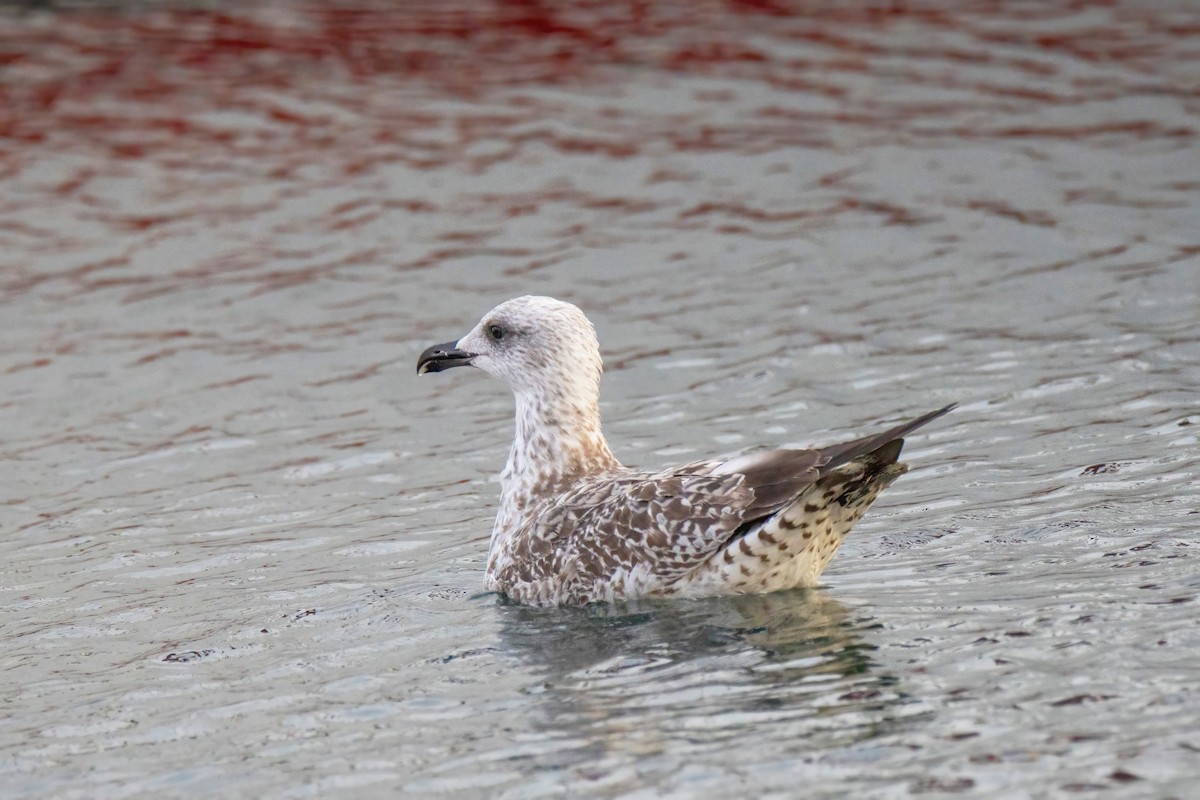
244	544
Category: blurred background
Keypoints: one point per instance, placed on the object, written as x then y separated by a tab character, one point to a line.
243	544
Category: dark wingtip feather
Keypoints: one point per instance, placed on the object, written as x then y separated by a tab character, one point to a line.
881	443
889	453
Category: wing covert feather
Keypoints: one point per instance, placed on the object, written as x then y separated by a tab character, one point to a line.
675	519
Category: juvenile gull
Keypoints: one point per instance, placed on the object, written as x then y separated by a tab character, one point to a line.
575	526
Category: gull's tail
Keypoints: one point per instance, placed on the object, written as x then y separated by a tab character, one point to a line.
834	456
792	548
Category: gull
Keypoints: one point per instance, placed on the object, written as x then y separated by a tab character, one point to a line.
575	526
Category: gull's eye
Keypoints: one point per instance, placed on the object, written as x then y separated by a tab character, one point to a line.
496	332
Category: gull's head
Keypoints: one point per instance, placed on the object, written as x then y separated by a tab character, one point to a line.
535	344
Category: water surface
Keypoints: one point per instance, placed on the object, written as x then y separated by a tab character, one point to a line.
243	544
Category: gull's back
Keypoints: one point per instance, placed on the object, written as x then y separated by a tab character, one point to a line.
763	522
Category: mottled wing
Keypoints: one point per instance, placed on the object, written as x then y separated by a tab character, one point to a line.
652	529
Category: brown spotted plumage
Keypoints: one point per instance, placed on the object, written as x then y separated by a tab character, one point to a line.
575	526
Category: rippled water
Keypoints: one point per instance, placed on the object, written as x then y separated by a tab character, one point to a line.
243	544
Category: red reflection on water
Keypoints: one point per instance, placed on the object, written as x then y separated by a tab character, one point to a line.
225	98
172	61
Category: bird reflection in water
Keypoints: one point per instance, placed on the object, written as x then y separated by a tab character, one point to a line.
672	677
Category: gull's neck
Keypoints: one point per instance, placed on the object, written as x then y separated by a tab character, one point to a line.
558	443
558	439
